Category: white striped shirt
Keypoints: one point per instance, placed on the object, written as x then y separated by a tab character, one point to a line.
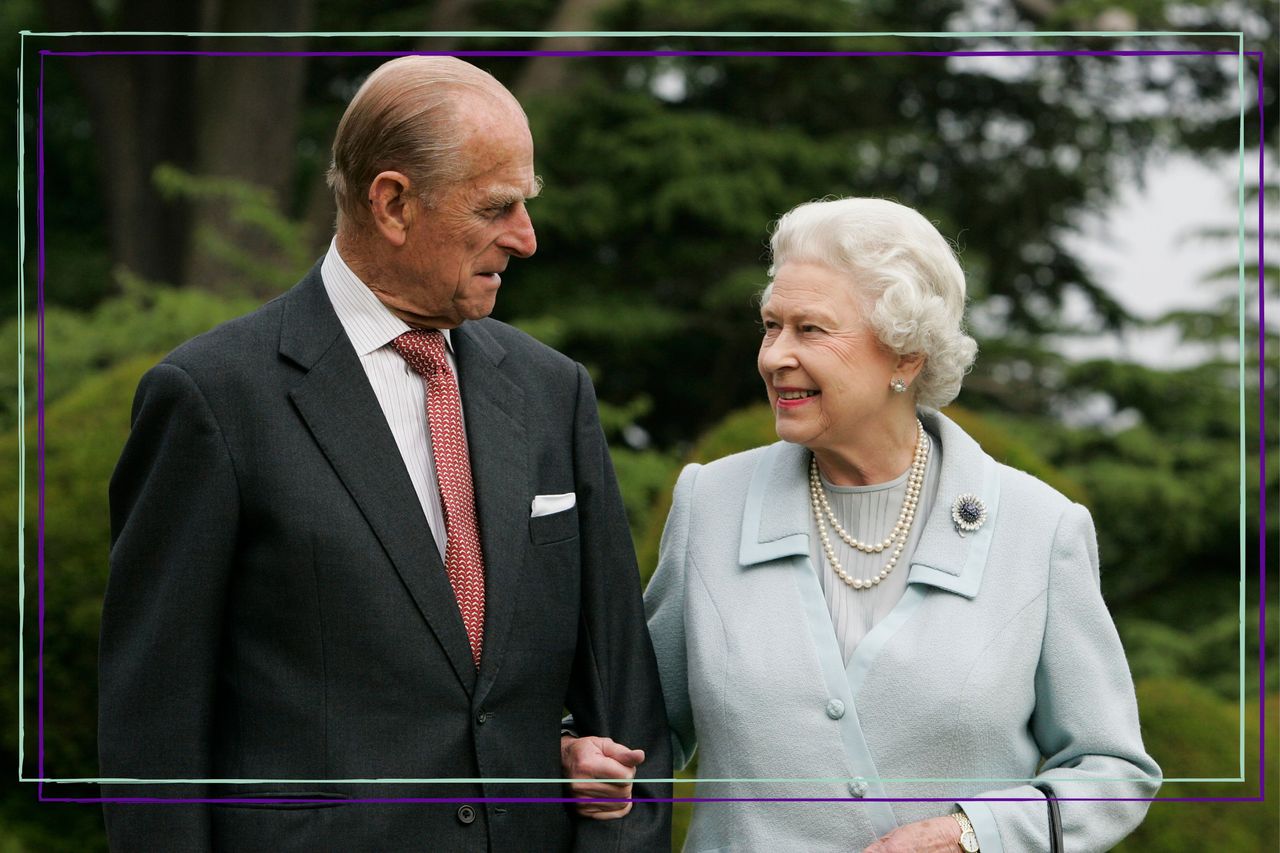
401	392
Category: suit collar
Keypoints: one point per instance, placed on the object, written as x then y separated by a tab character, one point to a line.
308	324
775	520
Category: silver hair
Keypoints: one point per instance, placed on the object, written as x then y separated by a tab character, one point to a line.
904	272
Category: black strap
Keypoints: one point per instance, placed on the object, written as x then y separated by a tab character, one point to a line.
1056	844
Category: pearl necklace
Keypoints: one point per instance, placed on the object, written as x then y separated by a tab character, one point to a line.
897	537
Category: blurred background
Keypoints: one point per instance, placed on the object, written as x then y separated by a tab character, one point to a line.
1094	202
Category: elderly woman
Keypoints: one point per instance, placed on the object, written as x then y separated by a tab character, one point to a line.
873	608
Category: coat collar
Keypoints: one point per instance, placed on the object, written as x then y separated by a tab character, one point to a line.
775	522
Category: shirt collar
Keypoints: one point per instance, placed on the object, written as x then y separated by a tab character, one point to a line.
369	324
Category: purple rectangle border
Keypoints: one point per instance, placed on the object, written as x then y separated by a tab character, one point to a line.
1262	448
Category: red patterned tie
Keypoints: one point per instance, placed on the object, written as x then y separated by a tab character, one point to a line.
463	559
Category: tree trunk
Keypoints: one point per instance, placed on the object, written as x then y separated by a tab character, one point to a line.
246	129
139	108
549	73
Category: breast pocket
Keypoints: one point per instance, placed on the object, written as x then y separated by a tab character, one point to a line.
557	527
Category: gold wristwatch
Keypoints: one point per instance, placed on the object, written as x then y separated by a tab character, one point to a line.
968	838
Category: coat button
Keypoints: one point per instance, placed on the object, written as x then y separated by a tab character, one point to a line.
466	815
858	787
835	709
482	717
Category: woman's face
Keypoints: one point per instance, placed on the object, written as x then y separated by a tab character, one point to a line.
826	372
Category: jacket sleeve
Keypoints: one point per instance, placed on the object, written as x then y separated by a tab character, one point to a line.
664	601
614	690
174	514
1085	720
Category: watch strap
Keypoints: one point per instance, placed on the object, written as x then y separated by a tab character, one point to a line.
968	838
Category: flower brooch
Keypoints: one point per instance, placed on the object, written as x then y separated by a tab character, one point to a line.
968	512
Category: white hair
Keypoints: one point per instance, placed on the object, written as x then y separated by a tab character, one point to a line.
904	273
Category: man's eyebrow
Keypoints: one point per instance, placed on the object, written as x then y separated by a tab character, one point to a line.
503	196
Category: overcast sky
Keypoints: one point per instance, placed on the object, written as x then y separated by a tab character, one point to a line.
1144	251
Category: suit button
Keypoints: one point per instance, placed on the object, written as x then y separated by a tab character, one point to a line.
482	717
466	815
858	787
835	709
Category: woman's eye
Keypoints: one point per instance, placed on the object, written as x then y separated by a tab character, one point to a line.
810	329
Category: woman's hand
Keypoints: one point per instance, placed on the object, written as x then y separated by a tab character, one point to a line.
591	758
935	835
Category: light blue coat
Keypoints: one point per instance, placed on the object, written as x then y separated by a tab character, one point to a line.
1000	667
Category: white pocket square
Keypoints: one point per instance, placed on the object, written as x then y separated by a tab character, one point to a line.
551	504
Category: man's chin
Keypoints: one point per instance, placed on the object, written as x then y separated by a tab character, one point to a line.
476	310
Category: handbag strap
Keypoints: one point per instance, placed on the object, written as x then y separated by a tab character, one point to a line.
1056	844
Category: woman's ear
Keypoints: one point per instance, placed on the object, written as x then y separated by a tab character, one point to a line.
909	367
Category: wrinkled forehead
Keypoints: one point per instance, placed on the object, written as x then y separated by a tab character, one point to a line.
814	283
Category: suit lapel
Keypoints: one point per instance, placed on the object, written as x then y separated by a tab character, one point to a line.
494	409
338	406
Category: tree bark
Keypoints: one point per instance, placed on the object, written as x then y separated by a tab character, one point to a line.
246	129
550	73
138	109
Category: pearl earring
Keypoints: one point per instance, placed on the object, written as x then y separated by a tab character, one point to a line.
897	385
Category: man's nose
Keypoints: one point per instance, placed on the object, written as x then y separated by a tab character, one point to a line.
519	239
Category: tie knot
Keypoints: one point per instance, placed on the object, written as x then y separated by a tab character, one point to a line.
423	349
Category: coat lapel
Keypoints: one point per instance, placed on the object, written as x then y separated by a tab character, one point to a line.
943	558
494	407
338	405
775	520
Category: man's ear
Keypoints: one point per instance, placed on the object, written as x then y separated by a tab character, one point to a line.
389	205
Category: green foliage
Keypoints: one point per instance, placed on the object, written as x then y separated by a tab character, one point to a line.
1207	652
27	826
278	246
146	317
644	476
1193	733
85	431
741	430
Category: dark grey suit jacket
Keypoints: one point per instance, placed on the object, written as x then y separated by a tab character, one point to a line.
277	608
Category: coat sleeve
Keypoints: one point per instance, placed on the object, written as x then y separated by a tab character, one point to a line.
664	602
1085	720
174	514
614	690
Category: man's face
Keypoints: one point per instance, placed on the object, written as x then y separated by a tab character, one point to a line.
457	248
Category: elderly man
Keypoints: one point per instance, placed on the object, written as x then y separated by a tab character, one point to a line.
366	533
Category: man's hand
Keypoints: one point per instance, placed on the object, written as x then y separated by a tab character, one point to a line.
935	835
591	758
